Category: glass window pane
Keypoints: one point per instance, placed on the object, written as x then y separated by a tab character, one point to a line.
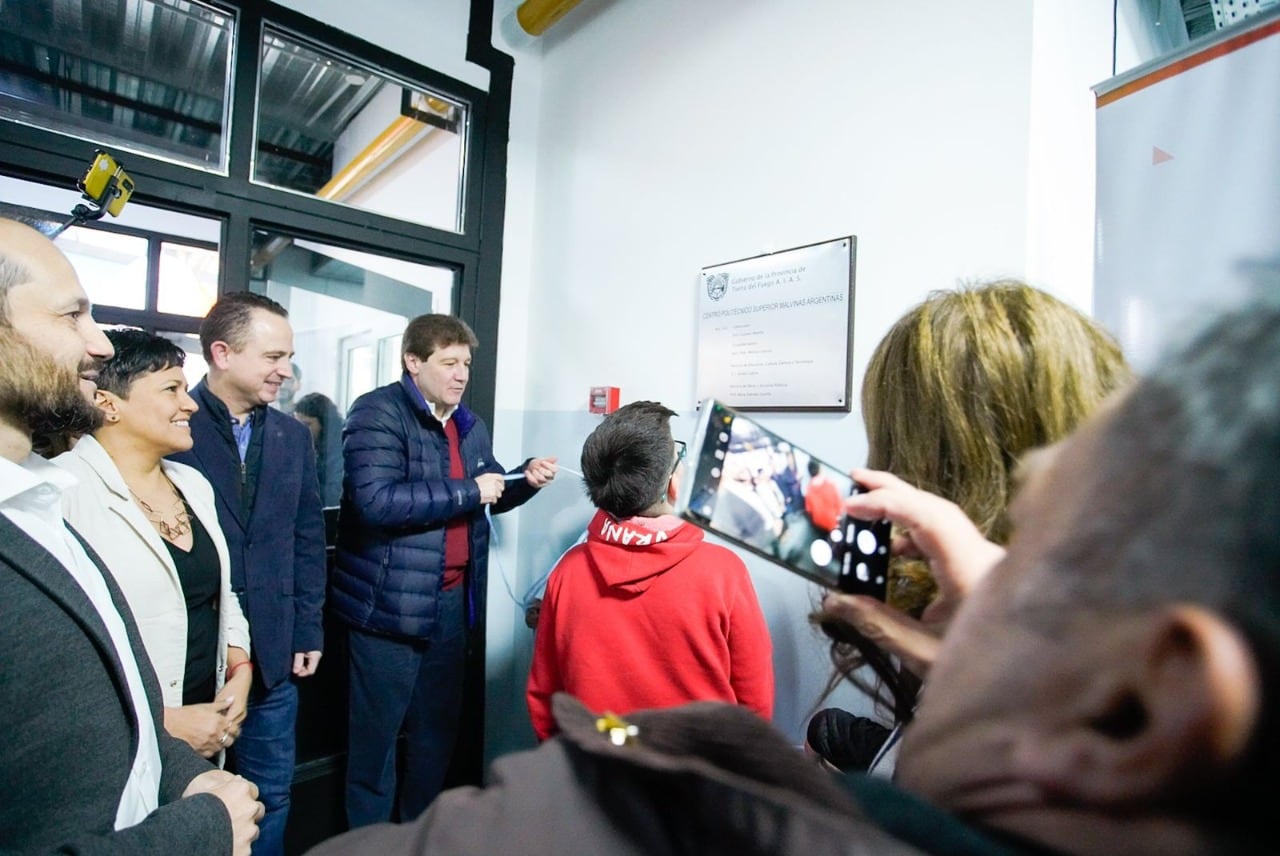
360	376
195	367
112	264
342	132
112	267
53	205
151	76
389	358
348	310
188	279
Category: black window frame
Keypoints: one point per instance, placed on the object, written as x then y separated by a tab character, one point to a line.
148	318
243	205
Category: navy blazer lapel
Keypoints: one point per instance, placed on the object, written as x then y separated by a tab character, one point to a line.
25	555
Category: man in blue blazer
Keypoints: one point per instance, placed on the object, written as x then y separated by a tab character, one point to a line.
263	471
85	765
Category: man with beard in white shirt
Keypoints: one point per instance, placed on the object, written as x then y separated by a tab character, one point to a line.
85	763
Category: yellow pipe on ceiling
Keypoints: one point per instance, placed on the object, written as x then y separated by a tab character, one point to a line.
394	138
384	147
534	16
538	16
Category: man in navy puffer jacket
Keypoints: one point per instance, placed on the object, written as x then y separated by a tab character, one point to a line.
412	555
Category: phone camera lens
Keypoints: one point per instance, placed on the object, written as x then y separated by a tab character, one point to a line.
866	540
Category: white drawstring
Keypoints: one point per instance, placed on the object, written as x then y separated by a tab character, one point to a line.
494	553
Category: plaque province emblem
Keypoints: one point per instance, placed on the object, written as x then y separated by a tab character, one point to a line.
717	285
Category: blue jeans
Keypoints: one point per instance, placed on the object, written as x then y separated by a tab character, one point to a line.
264	754
410	684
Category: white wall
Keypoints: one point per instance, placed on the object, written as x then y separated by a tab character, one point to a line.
1071	51
676	135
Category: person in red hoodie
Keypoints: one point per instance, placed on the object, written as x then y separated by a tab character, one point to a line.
645	613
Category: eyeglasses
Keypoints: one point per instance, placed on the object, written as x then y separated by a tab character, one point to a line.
680	453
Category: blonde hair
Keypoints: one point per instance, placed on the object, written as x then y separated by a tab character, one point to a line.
970	380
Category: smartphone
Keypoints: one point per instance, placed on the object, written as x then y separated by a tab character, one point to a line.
755	489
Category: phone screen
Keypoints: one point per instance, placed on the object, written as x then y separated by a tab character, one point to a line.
751	487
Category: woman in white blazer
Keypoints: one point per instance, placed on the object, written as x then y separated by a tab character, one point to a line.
155	526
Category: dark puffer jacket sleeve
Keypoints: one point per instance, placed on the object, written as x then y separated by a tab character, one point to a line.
387	489
396	501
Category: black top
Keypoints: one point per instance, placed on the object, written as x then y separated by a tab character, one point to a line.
201	579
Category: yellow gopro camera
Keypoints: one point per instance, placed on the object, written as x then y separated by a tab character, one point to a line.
97	181
106	187
106	184
124	189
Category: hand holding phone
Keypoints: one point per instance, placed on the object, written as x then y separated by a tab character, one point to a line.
931	529
767	495
865	559
935	530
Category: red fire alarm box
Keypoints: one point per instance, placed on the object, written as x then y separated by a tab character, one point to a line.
604	399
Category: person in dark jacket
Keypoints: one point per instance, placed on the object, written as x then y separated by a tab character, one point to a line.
318	412
263	473
412	555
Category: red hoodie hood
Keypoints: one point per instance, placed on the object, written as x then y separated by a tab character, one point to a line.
630	554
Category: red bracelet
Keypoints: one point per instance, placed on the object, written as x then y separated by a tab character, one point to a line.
232	671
